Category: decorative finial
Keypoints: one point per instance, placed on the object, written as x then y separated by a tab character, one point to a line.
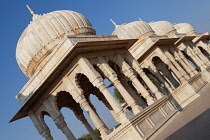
140	19
113	22
31	11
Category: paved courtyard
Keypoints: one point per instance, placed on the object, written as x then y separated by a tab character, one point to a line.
192	123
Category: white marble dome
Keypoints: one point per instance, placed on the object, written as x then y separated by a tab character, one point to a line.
134	30
185	28
44	33
164	28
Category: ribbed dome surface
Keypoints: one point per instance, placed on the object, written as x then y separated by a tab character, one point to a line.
163	28
134	30
185	28
44	33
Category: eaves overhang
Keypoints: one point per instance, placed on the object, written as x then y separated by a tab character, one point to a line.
202	37
184	39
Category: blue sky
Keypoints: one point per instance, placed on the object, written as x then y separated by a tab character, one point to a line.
14	18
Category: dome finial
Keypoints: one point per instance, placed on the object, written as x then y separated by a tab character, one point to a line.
35	16
140	19
113	22
31	11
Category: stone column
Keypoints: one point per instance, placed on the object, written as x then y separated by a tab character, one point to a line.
152	87
201	56
162	80
113	78
99	124
176	72
130	74
179	58
196	59
61	124
143	91
192	69
46	134
134	93
41	126
128	98
116	107
171	58
97	81
88	127
191	73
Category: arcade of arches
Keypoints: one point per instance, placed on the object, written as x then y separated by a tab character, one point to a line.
156	75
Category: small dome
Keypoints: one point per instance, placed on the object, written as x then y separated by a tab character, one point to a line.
134	30
44	33
185	28
163	28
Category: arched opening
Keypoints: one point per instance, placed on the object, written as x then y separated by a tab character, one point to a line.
191	61
155	81
73	114
92	95
165	72
129	86
204	52
113	90
48	121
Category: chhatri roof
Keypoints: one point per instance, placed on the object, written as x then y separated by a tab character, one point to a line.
163	28
133	30
185	28
44	33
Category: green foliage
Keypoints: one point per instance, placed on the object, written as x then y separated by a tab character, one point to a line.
118	96
152	79
88	137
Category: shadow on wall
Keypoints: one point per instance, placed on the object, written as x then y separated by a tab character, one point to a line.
196	129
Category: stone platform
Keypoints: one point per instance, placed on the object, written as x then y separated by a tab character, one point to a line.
192	123
146	123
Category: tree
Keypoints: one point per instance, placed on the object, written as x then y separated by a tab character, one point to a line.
88	137
118	96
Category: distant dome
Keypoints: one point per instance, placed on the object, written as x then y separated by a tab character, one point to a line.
163	28
44	33
134	30
185	28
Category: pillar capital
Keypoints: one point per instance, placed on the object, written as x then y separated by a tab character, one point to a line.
59	121
46	134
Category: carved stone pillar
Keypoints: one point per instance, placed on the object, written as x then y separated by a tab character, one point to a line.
201	56
171	58
196	59
113	78
116	107
61	124
191	73
97	81
192	69
163	81
179	58
88	127
46	134
176	72
130	74
153	88
42	128
99	124
128	98
134	93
